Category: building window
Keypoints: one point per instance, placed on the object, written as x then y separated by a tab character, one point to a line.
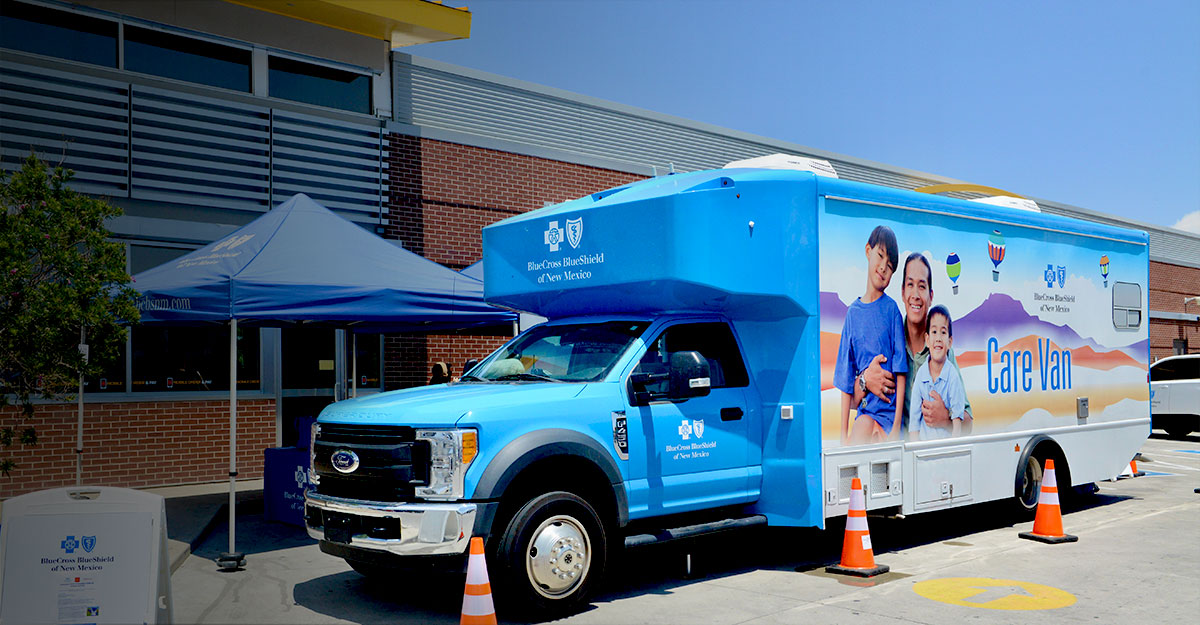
60	34
185	58
182	359
308	357
111	378
320	85
369	359
143	257
1179	347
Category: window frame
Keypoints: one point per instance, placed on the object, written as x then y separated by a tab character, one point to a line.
1125	310
657	333
208	40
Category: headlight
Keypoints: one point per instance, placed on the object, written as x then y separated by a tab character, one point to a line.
450	453
313	478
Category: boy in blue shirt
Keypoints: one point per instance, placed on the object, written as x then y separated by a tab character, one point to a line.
939	374
873	326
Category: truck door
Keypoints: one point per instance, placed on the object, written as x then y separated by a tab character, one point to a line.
691	454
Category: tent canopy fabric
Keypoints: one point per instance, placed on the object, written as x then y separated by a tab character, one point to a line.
301	263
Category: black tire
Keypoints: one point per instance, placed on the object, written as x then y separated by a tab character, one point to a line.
552	555
1178	431
1029	486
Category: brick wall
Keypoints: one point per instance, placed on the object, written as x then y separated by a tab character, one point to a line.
1169	285
138	444
440	196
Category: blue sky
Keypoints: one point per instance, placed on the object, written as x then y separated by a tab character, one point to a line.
1094	104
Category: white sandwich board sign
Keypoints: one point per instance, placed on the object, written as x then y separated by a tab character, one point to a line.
84	555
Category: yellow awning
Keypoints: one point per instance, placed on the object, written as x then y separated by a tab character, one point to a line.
401	22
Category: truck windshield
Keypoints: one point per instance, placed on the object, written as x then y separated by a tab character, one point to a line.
581	352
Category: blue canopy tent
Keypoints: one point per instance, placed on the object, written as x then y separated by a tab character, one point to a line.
524	320
302	264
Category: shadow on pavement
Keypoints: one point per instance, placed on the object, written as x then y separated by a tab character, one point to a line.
254	534
656	569
352	597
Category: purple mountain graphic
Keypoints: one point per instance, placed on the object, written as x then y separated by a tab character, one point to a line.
1005	318
998	316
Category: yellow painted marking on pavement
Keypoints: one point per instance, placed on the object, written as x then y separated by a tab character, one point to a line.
994	594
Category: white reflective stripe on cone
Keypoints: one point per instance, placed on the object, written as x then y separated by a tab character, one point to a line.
476	571
1049	480
857	500
478	605
1048	498
856	524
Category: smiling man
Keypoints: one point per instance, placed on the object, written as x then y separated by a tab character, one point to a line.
917	295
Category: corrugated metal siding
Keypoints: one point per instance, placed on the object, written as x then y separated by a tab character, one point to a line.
189	149
337	163
132	140
80	122
439	96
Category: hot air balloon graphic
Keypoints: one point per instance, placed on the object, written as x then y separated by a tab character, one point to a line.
1104	268
953	269
996	253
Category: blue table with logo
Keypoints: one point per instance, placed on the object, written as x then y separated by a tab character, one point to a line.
285	478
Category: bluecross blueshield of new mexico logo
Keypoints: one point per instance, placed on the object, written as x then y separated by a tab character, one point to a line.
69	544
553	236
574	231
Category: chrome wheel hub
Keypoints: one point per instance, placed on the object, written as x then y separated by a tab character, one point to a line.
557	558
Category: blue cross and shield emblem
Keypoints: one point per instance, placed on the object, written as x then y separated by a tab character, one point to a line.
574	231
89	543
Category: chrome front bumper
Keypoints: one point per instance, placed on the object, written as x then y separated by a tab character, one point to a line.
424	528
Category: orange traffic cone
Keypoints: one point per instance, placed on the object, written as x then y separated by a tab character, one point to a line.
1131	470
477	597
857	557
1047	525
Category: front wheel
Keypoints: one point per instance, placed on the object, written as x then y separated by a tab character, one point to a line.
553	552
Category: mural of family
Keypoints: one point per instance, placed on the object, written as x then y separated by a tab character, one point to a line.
899	373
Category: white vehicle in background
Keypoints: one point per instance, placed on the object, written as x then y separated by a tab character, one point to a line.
1175	394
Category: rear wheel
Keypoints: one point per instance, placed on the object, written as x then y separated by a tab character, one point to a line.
1029	485
553	552
1178	431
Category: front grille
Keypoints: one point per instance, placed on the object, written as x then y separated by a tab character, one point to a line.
391	461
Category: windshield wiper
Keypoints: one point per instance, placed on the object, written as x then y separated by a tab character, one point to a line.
527	376
471	378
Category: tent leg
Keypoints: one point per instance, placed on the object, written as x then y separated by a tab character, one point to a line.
232	560
79	424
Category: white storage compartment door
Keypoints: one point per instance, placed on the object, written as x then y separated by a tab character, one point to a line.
941	477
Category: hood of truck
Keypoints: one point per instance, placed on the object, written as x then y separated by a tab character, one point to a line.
443	405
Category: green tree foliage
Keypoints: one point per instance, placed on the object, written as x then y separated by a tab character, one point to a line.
58	274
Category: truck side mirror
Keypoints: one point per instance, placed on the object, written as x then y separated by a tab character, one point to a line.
689	376
470	364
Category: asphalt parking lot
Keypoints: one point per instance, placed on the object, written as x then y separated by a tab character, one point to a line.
1137	559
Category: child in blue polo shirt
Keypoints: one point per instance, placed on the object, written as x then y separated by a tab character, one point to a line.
939	374
873	326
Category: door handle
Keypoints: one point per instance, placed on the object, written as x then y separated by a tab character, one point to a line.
731	414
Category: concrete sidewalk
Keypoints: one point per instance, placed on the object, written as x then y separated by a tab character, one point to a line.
194	511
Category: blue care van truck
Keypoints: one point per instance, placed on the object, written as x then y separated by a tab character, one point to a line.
709	361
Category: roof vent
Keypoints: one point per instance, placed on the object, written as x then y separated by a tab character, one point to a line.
786	161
